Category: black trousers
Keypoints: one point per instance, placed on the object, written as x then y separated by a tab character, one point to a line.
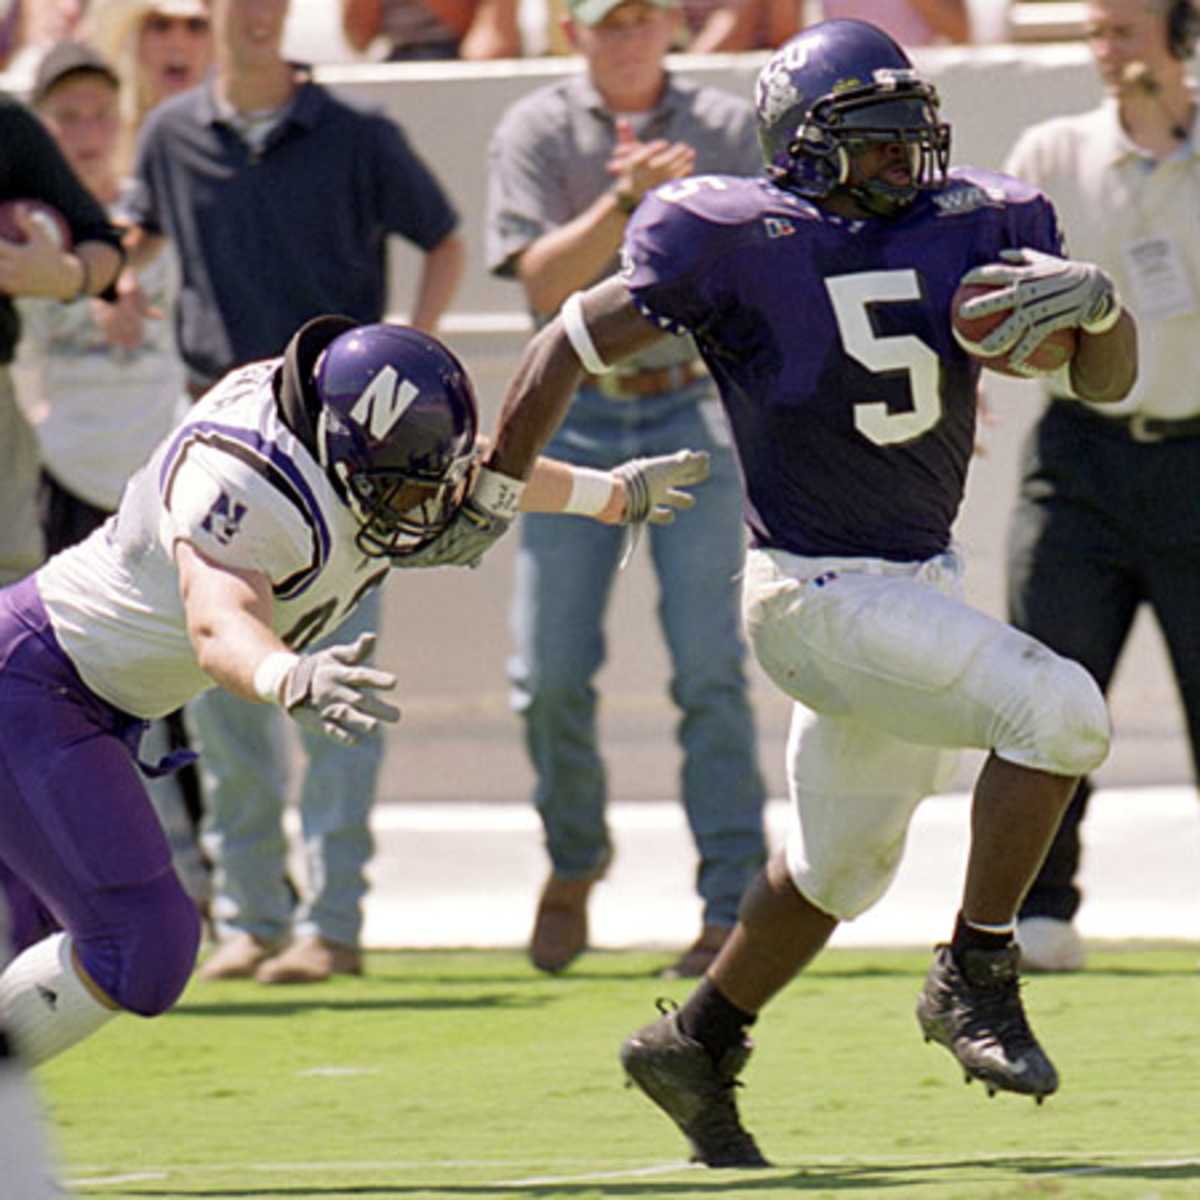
1103	524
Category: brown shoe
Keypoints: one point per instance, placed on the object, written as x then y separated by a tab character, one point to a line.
560	929
238	957
698	957
311	959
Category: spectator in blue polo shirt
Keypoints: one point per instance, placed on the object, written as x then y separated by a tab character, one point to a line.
279	198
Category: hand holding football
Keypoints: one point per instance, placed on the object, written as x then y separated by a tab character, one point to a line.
44	215
1052	352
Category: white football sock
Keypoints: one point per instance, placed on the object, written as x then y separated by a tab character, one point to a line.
23	1155
44	1004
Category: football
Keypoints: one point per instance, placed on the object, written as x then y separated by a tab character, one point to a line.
50	219
1054	351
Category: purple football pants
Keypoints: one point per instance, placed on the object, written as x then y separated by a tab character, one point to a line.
80	844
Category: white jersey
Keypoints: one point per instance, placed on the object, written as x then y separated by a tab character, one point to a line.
235	482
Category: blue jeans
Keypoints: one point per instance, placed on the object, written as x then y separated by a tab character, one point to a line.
243	774
564	576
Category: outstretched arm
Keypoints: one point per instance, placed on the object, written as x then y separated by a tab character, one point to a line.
228	610
596	331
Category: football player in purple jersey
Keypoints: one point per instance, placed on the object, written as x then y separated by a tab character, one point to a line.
819	295
256	527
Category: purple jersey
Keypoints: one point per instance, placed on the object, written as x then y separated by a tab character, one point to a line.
852	406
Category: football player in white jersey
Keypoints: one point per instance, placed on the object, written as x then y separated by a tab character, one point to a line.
256	527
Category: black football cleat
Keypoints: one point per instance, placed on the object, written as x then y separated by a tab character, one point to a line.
680	1076
975	1012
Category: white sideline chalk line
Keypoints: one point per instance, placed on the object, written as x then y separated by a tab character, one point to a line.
1114	1161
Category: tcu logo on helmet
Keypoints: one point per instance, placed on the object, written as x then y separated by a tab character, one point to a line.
383	403
776	91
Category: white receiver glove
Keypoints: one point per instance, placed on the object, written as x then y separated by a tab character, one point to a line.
652	490
1045	294
332	692
653	485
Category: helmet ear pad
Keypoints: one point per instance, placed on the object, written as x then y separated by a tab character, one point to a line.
299	404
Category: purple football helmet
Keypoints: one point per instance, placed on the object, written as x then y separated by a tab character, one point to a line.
395	434
832	90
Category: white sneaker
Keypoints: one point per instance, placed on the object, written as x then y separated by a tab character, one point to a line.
1048	944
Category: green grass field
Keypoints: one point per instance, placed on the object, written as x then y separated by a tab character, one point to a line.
469	1075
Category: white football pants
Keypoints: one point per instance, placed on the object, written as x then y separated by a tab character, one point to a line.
893	673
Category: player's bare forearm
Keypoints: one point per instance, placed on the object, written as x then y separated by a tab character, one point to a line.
228	619
550	369
1104	368
535	402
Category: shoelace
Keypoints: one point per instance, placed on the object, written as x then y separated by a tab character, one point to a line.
997	1012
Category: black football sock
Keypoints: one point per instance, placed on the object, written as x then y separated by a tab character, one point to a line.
978	937
708	1018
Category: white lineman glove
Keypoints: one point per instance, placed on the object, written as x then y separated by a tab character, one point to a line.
652	485
1045	294
332	692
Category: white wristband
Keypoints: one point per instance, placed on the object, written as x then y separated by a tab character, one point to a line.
499	495
577	334
270	674
590	491
1106	322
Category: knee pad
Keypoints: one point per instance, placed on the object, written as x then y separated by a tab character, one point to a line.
1066	730
142	950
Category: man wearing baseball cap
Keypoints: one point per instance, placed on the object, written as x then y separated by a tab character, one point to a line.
63	61
568	164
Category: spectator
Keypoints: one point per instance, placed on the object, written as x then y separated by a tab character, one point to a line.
262	126
101	384
1106	521
33	26
159	49
427	30
741	25
32	167
10	17
708	26
910	22
278	504
568	164
820	299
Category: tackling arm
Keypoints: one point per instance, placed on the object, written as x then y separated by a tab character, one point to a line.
608	327
594	331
